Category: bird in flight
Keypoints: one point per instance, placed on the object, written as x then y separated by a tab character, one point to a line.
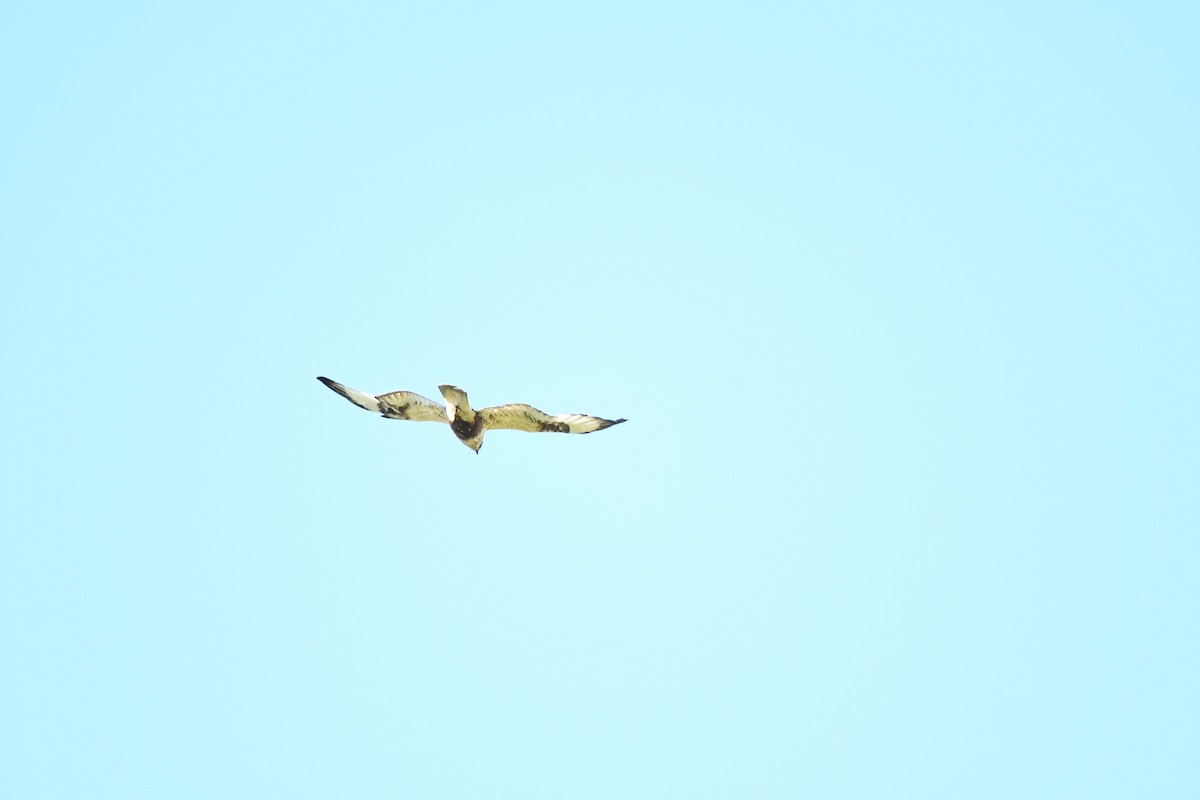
468	424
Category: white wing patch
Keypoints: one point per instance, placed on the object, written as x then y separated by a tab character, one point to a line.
360	399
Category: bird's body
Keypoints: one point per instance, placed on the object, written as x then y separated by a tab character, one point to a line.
468	424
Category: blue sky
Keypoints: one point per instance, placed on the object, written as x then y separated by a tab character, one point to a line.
902	304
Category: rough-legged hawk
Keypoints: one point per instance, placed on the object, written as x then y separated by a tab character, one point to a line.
468	424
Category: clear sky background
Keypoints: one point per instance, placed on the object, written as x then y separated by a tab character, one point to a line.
902	302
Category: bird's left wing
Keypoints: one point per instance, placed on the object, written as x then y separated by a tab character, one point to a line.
520	417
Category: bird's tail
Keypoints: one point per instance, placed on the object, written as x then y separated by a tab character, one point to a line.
360	399
457	405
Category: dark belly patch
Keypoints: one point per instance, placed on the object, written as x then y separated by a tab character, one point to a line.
467	430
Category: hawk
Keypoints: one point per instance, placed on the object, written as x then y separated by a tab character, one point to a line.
468	424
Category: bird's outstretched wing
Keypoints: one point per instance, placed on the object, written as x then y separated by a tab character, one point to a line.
393	405
520	417
410	405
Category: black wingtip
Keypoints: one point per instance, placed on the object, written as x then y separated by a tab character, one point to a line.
325	381
605	424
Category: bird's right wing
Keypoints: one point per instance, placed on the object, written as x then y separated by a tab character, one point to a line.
410	405
393	405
